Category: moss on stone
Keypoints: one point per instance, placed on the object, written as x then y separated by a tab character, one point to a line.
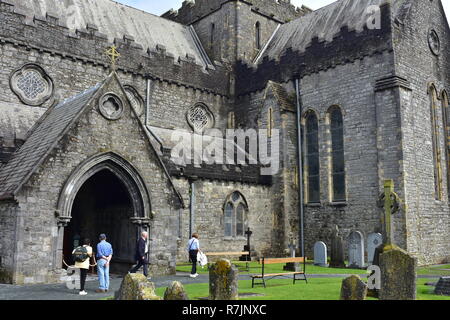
5	276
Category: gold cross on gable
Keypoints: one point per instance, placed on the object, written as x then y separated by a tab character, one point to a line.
113	55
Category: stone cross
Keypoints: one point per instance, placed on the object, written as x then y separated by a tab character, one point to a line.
291	247
391	206
113	55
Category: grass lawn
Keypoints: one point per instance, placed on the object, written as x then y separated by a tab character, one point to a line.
283	289
255	267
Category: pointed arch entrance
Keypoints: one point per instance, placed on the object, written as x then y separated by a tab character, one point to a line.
105	194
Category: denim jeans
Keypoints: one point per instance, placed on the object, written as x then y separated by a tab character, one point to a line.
103	274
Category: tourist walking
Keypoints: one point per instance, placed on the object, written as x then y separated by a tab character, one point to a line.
141	255
193	249
82	256
104	256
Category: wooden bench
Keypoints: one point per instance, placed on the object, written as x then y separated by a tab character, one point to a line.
226	254
264	275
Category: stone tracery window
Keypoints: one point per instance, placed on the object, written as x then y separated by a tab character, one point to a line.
235	215
111	106
437	156
446	121
32	85
200	118
337	155
312	165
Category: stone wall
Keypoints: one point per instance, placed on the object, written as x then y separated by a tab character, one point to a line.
192	11
209	217
8	227
92	135
428	219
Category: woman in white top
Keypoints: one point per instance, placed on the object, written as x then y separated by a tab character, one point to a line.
84	266
193	249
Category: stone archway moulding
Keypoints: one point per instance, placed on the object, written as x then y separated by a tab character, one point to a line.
122	169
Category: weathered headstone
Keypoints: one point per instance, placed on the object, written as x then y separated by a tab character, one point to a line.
356	250
443	286
374	240
175	292
337	250
135	286
223	281
353	288
320	254
398	274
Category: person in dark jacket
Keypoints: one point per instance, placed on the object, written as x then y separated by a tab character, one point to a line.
141	254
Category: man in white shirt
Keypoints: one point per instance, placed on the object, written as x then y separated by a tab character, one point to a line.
193	249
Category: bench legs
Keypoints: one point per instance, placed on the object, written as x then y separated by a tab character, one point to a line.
263	282
304	278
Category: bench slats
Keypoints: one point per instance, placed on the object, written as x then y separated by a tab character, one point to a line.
276	274
244	253
282	260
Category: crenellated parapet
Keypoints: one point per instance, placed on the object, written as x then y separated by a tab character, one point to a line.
193	10
347	46
50	34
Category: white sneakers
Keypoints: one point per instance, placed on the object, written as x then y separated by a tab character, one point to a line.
83	293
194	275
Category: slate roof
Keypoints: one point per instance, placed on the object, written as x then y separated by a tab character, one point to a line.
40	142
281	96
324	23
250	173
116	20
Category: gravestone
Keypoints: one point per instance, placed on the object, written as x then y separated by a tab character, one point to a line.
223	281
175	292
337	250
135	286
374	240
353	288
320	254
443	286
356	250
398	274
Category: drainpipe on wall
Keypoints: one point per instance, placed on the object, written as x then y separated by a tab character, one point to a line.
192	206
300	168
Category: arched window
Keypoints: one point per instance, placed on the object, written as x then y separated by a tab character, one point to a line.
432	92
337	155
312	166
270	122
235	215
231	120
446	120
211	40
258	35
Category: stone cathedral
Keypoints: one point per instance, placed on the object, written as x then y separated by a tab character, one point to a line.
92	93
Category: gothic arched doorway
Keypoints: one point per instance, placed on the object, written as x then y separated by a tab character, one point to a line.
105	195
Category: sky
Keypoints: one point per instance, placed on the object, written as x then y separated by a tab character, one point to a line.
158	7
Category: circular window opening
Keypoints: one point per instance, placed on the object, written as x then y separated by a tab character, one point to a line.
111	106
434	42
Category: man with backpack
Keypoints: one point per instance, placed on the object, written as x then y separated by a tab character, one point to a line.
82	255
